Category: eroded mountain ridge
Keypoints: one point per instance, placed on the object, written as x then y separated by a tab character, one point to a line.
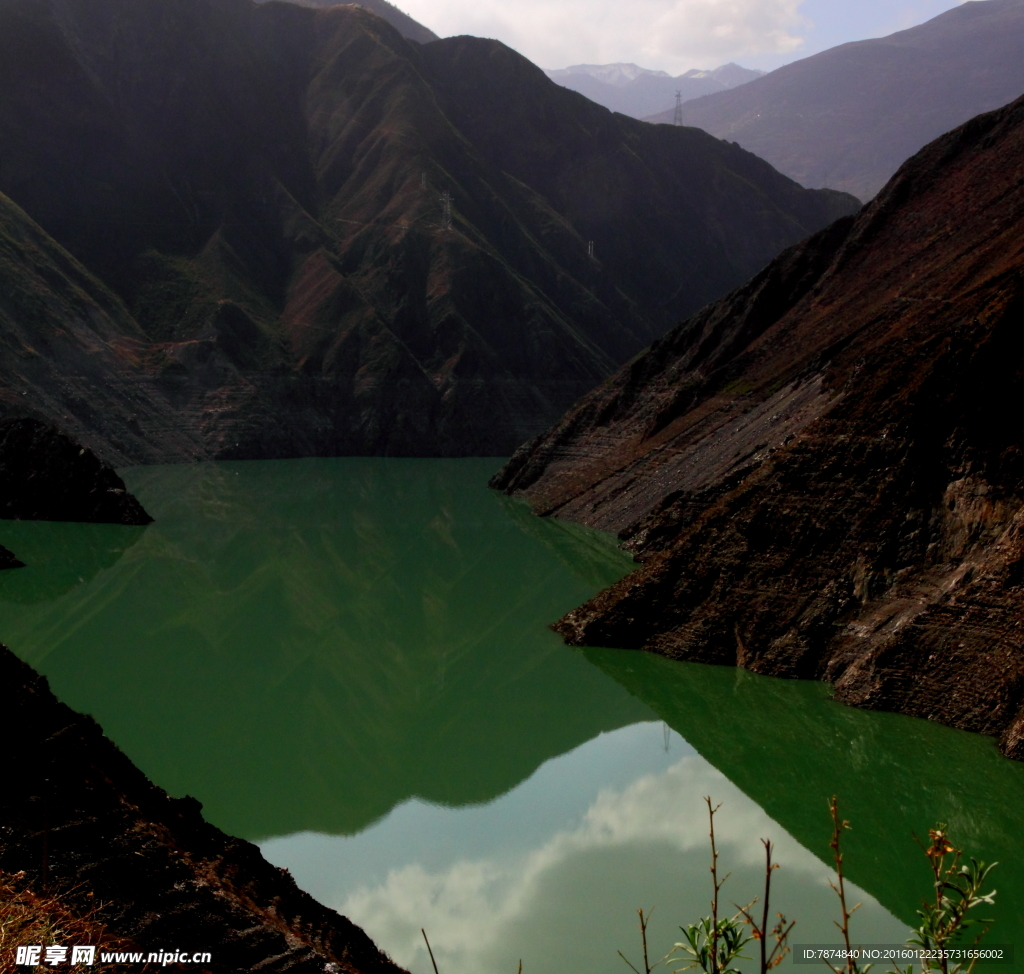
822	471
234	242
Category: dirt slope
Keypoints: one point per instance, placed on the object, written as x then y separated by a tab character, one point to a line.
823	471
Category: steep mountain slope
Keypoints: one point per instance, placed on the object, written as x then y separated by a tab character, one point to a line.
70	352
399	19
47	476
823	469
648	92
848	117
260	186
81	822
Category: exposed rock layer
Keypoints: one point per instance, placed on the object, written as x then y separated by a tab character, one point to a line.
254	194
71	353
849	116
47	476
823	471
81	820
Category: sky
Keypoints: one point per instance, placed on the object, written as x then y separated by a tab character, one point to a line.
672	35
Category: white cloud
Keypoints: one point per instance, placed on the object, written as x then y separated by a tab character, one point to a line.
483	914
671	35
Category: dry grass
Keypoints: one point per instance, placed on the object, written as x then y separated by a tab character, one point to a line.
29	918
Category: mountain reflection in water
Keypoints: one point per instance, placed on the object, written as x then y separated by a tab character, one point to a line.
789	747
553	872
349	660
304	644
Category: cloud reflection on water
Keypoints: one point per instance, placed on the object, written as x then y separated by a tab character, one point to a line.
567	902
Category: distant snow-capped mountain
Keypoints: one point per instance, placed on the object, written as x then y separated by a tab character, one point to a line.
632	90
618	74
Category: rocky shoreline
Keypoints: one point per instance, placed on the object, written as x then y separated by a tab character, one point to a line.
79	819
819	471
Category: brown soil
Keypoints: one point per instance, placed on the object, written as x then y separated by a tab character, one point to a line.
822	472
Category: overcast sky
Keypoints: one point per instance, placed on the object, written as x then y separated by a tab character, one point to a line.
672	35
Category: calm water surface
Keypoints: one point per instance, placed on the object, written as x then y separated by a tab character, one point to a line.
348	662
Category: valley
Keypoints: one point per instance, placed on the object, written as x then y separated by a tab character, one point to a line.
285	286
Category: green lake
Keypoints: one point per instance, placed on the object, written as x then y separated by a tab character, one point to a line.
347	661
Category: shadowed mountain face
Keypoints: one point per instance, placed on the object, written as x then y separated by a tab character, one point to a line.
259	188
848	117
7	559
72	353
47	476
83	823
819	469
398	19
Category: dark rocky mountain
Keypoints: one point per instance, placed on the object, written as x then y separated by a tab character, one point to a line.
823	470
398	19
250	195
848	117
47	476
7	559
72	353
80	821
648	92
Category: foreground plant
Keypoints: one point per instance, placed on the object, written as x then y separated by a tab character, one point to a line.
957	890
780	931
714	943
838	827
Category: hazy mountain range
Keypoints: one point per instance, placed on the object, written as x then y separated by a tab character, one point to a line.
848	117
640	92
232	234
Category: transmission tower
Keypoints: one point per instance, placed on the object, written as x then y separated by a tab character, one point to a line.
446	212
678	118
590	248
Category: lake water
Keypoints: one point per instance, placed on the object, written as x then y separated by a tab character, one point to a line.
348	662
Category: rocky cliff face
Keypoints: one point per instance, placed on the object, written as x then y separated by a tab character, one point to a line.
83	822
251	198
73	355
822	472
47	476
7	559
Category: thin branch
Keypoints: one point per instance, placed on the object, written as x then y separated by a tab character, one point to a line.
429	951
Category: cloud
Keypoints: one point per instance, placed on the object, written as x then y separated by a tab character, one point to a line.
483	914
672	35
